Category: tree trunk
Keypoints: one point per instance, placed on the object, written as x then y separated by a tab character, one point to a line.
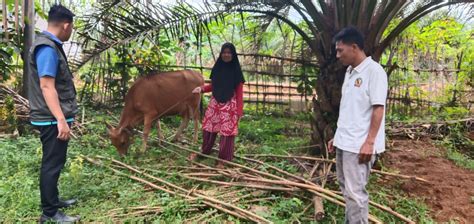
5	19
326	106
28	35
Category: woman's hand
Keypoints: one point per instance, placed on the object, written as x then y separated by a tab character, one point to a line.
197	90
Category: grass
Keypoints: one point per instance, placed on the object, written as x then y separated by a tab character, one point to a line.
459	158
460	148
100	191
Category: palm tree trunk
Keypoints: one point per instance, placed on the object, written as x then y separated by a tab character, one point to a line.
326	106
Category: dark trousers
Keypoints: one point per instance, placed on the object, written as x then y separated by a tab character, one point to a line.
54	158
226	145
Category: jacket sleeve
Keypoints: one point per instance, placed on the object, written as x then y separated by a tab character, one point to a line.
239	95
206	88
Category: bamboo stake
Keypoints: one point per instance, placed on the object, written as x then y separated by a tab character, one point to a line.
399	175
290	157
315	167
195	168
204	174
260	199
301	164
239	184
318	208
333	161
213	212
231	193
141	213
318	201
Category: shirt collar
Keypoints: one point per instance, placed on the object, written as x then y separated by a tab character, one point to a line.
362	65
55	39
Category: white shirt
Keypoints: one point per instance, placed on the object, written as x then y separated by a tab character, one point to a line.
364	86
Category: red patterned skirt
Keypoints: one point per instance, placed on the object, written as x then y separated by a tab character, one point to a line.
221	118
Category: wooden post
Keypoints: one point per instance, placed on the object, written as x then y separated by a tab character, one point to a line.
318	208
29	30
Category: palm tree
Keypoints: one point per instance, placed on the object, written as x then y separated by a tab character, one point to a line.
322	20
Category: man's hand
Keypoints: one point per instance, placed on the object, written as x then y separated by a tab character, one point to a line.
366	151
197	90
63	130
331	146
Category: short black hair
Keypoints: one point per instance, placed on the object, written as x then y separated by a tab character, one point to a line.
350	35
59	13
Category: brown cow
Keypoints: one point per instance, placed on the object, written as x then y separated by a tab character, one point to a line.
155	96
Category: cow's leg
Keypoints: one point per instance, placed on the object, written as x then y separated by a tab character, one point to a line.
159	132
146	131
184	124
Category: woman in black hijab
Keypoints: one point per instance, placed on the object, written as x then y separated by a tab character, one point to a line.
226	105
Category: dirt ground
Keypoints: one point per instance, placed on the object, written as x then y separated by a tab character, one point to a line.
450	193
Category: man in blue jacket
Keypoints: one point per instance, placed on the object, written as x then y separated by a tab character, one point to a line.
53	105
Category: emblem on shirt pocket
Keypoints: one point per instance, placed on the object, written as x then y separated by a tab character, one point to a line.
358	82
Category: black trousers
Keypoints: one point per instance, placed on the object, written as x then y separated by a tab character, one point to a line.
54	158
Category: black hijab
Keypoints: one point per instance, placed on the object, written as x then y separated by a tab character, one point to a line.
226	76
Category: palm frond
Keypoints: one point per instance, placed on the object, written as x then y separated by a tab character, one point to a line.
412	17
119	22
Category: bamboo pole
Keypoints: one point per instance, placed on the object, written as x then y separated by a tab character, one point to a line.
187	196
313	188
326	194
248	214
318	208
322	190
333	161
399	175
239	184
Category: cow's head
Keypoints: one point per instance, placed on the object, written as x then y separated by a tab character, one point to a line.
120	138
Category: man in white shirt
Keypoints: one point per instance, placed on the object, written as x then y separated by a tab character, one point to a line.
360	133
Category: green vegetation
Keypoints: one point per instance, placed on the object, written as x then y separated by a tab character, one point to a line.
460	148
437	48
102	192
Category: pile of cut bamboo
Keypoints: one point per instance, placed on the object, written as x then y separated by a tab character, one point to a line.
249	174
21	104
